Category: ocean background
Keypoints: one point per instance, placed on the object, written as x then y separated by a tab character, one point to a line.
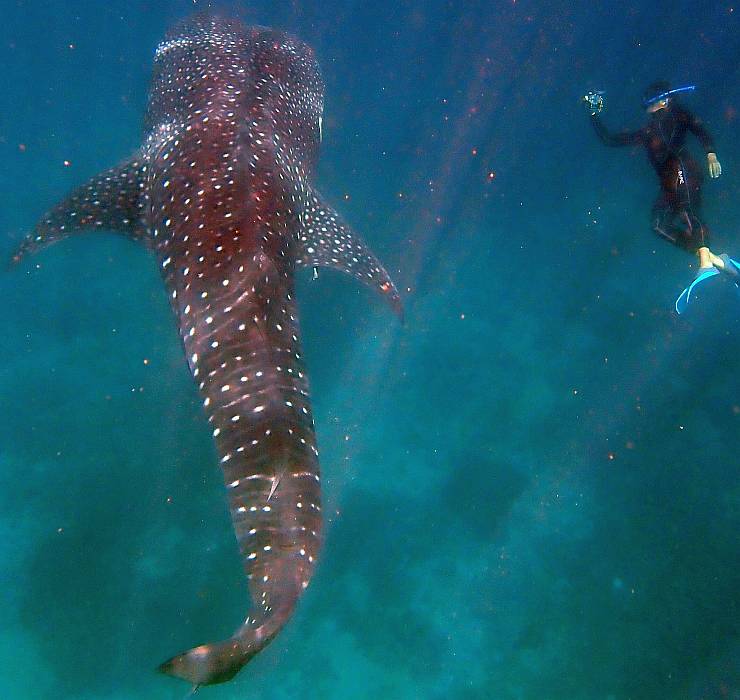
532	485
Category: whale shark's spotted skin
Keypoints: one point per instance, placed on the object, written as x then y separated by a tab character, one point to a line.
221	192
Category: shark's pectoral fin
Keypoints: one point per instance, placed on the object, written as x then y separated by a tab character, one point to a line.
324	240
112	200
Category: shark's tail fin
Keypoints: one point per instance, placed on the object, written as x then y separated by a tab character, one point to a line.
210	663
219	662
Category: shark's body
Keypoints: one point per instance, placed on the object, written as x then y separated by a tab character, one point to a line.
221	191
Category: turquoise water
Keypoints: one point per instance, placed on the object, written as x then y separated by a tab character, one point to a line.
532	484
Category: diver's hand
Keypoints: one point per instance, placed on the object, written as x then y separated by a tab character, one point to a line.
715	169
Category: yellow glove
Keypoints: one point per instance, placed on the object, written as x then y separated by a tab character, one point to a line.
715	169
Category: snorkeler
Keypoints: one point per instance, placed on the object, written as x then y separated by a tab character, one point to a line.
676	213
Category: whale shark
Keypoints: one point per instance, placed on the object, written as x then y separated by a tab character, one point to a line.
222	192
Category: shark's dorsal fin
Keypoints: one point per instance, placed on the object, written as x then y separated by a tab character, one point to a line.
112	201
324	240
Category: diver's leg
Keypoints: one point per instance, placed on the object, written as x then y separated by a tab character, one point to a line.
691	238
688	233
662	217
707	258
692	235
689	200
717	260
724	263
730	267
674	222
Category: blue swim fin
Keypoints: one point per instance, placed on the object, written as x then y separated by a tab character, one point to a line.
683	300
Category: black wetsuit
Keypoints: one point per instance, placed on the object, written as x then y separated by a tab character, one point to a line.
676	214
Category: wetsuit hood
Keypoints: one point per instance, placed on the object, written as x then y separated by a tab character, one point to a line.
654	92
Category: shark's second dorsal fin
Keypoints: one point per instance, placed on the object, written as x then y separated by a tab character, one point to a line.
112	201
324	240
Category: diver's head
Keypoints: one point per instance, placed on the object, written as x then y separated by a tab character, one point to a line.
656	96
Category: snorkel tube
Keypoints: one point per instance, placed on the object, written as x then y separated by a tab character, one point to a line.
665	95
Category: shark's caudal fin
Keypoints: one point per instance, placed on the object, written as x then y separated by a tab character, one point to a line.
326	241
218	662
111	201
208	664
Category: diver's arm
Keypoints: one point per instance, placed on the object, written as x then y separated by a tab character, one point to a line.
621	138
697	128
